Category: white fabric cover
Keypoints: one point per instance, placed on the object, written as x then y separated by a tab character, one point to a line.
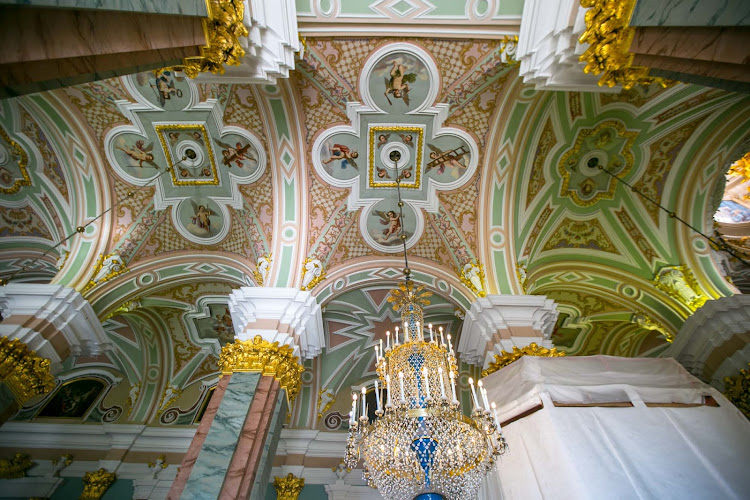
636	452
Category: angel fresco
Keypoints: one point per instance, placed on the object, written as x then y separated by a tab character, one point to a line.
392	220
237	154
398	84
140	153
343	153
408	139
201	217
441	159
163	85
383	140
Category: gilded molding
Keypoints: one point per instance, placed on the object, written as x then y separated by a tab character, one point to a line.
23	162
505	358
115	266
96	483
312	265
26	374
289	487
737	390
14	468
271	359
223	29
609	35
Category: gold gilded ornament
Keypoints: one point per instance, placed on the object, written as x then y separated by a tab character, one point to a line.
505	358
14	468
679	283
267	358
407	293
312	273
737	390
96	483
26	374
472	276
741	168
107	267
23	161
223	29
289	487
609	37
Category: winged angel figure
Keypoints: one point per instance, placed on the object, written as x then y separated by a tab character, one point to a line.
398	84
201	217
140	153
390	219
237	154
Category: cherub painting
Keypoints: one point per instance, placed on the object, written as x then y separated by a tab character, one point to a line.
383	140
343	153
140	154
392	220
453	158
236	155
200	220
398	83
408	139
163	85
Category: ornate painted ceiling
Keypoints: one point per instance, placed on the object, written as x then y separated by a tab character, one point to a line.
180	188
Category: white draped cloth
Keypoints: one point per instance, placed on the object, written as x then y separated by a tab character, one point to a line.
631	452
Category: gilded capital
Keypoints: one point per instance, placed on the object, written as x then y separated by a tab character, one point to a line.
25	373
96	483
271	359
289	487
505	358
223	29
13	468
737	390
609	35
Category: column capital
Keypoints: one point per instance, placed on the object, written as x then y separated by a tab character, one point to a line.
289	487
285	315
53	320
26	374
715	341
501	322
271	359
96	483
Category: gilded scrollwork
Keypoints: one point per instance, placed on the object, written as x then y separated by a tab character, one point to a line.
22	164
271	359
609	36
14	468
289	487
223	29
505	358
106	268
679	283
96	483
737	390
26	374
472	275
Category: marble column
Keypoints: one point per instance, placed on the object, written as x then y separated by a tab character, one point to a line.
714	342
232	452
498	323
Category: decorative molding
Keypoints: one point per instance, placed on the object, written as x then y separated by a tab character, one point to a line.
268	50
30	309
268	358
26	374
289	487
505	358
96	483
23	162
284	315
506	321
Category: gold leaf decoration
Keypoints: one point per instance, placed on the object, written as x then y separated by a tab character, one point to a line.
737	390
289	487
505	358
26	374
741	168
271	359
223	29
14	468
407	293
609	36
96	483
23	162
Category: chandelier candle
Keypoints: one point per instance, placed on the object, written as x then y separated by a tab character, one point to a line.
442	340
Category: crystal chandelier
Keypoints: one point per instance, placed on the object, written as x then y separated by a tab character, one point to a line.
421	445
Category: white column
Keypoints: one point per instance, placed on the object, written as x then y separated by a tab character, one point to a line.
502	322
53	320
714	342
285	315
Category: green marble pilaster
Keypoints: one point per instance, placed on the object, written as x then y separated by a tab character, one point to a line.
269	450
195	8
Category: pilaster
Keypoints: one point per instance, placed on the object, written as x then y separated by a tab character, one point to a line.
498	323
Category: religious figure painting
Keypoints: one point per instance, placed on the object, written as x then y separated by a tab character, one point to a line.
201	217
340	155
385	223
447	158
74	399
137	156
163	88
237	155
399	82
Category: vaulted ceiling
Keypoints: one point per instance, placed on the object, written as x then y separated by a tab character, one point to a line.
205	179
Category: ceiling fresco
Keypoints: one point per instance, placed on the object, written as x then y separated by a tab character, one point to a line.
212	187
